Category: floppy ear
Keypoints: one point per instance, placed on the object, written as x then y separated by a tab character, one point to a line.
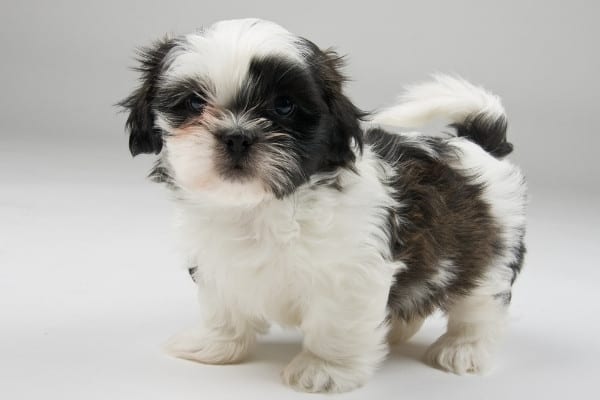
144	137
346	116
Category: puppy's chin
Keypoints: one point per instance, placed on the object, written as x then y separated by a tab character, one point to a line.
232	194
190	158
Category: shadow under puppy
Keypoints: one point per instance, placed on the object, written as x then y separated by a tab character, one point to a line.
290	212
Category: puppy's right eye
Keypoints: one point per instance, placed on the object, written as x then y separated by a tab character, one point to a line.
283	106
195	103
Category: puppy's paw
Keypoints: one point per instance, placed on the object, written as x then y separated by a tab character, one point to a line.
460	355
197	345
309	373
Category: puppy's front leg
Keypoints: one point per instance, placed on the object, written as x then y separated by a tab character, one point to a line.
225	336
345	337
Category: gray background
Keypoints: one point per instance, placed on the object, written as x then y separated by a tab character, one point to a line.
88	283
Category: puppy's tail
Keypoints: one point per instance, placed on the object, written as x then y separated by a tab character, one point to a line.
475	113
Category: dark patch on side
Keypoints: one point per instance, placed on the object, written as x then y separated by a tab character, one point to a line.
441	217
488	133
144	137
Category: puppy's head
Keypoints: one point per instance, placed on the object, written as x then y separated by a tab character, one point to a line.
242	111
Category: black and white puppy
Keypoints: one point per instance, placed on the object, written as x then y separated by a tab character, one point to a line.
290	212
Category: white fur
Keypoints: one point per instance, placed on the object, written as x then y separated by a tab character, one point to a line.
449	97
317	260
230	46
475	325
190	157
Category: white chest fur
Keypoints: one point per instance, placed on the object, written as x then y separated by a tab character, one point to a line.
270	260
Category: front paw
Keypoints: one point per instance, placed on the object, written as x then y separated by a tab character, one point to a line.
309	373
207	348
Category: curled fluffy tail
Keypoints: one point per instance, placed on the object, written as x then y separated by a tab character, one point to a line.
475	113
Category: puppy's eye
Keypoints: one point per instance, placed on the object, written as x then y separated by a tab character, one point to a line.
195	103
283	106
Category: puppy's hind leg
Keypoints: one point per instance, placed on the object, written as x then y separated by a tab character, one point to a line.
475	325
402	330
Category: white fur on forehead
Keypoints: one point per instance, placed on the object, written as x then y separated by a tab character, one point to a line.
222	53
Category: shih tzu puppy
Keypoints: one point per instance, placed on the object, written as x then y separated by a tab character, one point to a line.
292	210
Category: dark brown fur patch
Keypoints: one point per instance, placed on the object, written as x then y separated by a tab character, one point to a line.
441	218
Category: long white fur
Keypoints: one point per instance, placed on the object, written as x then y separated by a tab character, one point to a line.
445	96
319	259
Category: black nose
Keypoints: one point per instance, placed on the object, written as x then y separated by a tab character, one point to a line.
237	145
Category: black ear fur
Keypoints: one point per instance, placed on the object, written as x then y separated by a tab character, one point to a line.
144	137
346	116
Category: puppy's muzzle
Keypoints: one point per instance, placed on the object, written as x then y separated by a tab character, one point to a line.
237	144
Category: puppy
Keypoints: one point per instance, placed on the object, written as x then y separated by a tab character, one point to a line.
290	212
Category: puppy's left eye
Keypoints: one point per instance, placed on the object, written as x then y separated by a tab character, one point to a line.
195	103
283	106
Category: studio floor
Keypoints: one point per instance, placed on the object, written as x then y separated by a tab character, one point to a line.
90	287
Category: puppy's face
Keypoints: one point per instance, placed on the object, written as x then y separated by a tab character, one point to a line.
242	112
